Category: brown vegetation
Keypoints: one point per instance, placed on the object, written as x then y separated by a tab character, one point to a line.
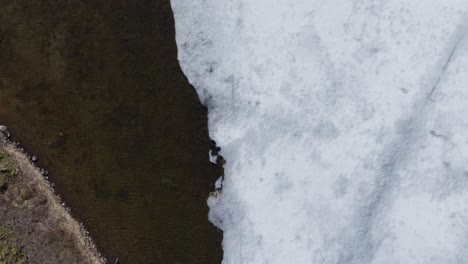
35	227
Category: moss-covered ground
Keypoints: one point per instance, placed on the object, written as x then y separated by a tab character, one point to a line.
8	169
9	253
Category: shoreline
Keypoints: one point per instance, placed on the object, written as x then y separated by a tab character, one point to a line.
57	217
121	129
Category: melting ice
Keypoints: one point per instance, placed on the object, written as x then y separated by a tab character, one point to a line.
344	125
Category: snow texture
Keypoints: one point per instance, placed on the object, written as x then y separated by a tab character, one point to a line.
344	125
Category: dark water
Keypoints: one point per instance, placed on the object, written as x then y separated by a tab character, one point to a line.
95	90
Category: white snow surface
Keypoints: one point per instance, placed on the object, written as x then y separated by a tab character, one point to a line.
344	125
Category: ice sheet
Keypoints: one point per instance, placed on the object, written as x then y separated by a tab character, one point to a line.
344	125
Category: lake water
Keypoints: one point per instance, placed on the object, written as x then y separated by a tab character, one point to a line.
95	91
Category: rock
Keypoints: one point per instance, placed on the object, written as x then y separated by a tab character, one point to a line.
4	130
33	158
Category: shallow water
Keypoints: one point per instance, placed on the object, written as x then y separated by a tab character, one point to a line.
96	92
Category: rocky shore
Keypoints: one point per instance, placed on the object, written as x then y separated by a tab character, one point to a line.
35	225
